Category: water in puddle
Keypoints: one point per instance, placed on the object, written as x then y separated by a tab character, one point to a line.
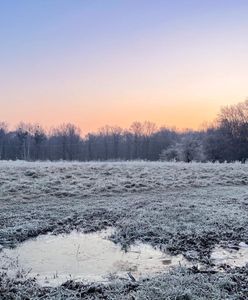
231	257
90	257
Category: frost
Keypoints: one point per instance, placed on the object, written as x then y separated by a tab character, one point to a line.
66	179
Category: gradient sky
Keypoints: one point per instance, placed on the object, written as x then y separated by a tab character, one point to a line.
97	62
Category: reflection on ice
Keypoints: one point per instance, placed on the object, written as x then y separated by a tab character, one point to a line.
231	257
90	257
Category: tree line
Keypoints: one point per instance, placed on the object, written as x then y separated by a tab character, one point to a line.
225	140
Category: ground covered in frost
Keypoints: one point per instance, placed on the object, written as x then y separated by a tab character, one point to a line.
178	207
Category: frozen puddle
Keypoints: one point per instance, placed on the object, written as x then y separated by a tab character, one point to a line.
90	257
231	257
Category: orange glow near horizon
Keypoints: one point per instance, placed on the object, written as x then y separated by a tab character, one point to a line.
188	115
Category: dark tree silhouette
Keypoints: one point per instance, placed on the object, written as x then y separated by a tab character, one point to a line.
226	140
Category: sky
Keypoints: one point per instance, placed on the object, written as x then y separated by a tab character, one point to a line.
95	62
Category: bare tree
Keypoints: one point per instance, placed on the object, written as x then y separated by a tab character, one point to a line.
233	122
136	128
24	136
3	132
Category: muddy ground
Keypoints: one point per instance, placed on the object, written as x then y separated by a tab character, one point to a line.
181	208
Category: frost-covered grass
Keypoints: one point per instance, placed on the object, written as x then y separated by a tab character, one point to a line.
180	284
65	179
184	208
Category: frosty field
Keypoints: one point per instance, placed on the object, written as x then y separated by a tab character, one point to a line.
178	208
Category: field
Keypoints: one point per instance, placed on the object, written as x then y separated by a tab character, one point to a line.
178	207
